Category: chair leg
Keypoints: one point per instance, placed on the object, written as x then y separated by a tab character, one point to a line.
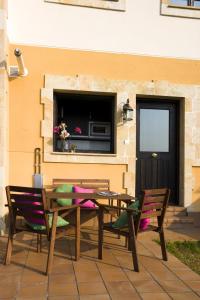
39	242
77	235
9	249
132	242
100	233
126	242
163	245
52	244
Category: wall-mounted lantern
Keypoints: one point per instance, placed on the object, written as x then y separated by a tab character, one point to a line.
20	70
127	111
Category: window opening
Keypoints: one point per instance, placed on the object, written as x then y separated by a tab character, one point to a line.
89	119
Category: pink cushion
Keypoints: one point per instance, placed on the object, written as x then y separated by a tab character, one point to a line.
144	223
88	203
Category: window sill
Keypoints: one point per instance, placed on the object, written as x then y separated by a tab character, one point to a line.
183	7
84	154
168	9
103	4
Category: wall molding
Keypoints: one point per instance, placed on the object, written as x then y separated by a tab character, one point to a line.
103	4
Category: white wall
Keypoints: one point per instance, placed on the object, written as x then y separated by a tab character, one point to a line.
139	30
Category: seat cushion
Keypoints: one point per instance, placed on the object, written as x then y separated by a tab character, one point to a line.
122	221
60	223
64	188
88	204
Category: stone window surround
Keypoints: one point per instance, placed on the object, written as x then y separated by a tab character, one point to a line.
188	95
103	4
169	9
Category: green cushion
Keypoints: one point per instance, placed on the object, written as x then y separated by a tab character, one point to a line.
60	223
64	188
122	221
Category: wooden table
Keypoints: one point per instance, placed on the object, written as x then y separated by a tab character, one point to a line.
94	197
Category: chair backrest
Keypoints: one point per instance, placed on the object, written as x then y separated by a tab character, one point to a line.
153	204
96	184
30	203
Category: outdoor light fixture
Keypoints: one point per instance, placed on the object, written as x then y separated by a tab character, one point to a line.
20	70
127	111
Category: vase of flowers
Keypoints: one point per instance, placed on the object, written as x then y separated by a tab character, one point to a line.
64	135
61	131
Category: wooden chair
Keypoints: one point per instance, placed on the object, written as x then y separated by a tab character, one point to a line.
153	204
28	206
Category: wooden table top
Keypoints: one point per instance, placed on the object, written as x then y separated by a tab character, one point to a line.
96	195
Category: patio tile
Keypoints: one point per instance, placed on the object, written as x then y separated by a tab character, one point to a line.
67	289
111	273
62	278
39	290
32	298
174	286
91	275
153	296
184	296
12	268
138	276
123	289
10	279
8	291
86	288
92	279
194	285
187	274
147	286
110	258
95	297
64	267
63	298
30	277
127	297
161	274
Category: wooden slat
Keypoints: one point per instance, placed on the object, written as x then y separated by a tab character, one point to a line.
152	206
154	199
27	214
24	197
28	206
22	189
155	192
151	215
99	184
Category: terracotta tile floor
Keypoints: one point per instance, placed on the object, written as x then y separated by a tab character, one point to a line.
92	279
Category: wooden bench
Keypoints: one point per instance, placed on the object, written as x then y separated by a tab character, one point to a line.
88	215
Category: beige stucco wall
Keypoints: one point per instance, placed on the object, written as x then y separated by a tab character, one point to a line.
144	75
140	29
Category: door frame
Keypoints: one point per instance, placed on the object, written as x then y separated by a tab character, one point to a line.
165	100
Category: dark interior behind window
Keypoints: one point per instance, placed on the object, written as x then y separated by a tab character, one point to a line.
93	114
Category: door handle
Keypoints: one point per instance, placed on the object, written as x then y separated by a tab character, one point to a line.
154	155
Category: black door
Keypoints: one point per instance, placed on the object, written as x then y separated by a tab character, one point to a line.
157	146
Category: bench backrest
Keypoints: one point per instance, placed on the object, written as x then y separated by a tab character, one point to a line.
96	184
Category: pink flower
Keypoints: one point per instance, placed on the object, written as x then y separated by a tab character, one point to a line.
77	130
56	129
